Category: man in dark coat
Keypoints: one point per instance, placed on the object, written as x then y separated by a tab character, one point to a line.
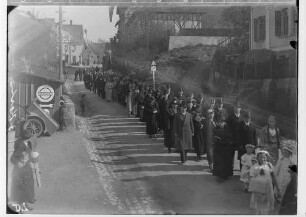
198	138
171	111
246	134
233	122
209	126
183	131
223	148
152	112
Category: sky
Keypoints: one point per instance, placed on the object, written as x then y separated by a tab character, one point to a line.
94	19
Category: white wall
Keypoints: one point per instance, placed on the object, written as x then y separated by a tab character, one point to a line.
182	41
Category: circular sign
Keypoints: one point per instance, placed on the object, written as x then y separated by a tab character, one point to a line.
45	93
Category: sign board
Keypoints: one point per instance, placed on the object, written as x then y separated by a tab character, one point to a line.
45	93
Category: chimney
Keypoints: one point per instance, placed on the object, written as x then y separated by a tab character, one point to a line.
70	22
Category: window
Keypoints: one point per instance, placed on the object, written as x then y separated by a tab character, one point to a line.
260	28
281	22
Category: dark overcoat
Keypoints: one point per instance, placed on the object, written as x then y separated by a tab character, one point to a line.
233	125
223	152
169	134
246	135
198	138
183	131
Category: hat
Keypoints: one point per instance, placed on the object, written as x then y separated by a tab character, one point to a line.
210	111
262	152
287	148
246	114
183	104
237	105
249	146
219	100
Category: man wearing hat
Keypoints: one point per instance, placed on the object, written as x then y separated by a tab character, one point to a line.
171	111
246	134
220	112
209	126
233	124
183	131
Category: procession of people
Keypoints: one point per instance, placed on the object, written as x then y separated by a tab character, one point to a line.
203	126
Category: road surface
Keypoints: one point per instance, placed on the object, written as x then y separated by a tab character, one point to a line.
137	174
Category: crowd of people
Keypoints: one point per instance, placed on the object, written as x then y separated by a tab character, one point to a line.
203	126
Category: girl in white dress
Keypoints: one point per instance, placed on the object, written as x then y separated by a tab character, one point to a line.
282	171
262	200
246	161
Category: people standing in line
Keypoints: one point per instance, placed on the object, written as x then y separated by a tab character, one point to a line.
247	134
222	151
246	162
198	138
261	185
282	172
171	111
152	109
270	139
108	90
23	179
209	125
233	122
183	131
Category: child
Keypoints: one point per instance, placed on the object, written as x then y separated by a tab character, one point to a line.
261	184
246	161
281	171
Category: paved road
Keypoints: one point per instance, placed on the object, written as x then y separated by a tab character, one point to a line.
139	176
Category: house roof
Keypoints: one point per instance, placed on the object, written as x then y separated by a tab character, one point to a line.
76	32
97	48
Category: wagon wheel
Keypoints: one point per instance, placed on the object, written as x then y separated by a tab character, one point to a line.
34	126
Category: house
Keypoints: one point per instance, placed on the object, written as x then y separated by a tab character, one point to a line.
73	43
92	53
273	27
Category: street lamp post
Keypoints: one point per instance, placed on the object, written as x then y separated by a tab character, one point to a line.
153	69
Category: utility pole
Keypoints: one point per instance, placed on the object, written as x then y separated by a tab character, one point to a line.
60	42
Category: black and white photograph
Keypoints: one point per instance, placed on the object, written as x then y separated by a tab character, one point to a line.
155	107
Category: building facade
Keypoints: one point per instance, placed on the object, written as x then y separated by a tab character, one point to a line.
73	44
92	53
273	27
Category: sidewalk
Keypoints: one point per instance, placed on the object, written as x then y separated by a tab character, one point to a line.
69	180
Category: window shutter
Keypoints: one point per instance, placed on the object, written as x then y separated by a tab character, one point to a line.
263	27
285	21
255	30
277	23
